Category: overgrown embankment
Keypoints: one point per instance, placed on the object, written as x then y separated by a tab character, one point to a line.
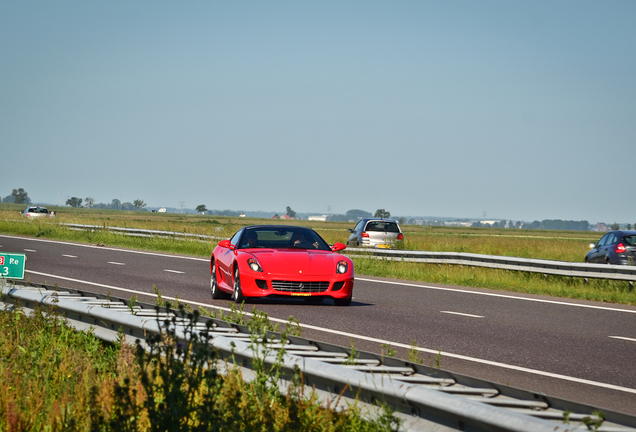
58	379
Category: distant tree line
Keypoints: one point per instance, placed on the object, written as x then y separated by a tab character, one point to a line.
224	212
18	196
118	205
558	224
74	202
353	214
546	224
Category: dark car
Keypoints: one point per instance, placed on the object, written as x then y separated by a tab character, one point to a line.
615	247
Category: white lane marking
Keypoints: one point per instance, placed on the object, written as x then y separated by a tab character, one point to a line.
498	295
143	293
623	338
115	263
30	250
370	339
463	314
108	248
173	271
69	256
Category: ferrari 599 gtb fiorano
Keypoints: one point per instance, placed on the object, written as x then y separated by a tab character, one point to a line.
280	261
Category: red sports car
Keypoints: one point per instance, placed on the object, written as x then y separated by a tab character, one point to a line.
275	260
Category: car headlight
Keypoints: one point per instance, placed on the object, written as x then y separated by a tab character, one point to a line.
254	265
342	267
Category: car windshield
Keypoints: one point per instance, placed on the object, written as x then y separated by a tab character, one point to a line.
282	238
382	226
36	210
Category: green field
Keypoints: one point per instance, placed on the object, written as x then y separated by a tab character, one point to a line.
539	244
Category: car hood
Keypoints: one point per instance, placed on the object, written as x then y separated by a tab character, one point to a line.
292	262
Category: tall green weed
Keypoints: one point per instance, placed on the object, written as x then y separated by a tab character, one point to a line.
58	379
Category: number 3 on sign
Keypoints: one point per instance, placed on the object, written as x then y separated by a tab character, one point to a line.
1	260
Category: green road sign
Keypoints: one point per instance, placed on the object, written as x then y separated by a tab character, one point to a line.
12	266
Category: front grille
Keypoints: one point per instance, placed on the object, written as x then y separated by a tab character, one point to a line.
304	287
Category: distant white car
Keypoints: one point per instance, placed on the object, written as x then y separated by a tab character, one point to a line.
376	233
37	212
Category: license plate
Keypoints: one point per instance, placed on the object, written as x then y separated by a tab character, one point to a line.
301	294
383	246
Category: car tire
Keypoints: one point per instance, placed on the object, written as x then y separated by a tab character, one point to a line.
343	301
214	284
237	294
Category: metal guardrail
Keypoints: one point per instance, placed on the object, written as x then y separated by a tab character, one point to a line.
548	267
424	398
136	232
560	268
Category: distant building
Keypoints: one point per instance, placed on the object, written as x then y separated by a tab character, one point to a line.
459	224
322	218
285	217
601	227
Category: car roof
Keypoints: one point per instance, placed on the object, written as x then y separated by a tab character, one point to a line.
624	232
278	226
379	219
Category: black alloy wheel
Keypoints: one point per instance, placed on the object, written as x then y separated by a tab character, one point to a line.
238	293
214	284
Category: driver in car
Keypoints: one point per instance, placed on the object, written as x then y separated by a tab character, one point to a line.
298	240
252	239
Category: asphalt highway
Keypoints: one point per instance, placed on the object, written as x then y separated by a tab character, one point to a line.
572	349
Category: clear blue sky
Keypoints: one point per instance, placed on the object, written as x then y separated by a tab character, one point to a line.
522	110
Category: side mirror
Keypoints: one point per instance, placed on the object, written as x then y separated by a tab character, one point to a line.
338	247
226	244
592	245
350	230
